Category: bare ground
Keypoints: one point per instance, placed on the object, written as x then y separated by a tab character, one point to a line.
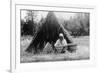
82	52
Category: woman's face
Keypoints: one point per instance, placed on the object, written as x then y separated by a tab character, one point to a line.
61	38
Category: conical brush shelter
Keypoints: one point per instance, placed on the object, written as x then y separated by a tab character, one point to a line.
48	32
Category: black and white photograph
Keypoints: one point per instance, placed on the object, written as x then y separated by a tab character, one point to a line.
49	36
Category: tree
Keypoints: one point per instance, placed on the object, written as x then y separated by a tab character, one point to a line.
84	22
28	28
78	26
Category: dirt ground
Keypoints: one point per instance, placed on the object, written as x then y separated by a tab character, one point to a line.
82	52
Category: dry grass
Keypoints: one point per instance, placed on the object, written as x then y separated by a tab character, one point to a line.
82	52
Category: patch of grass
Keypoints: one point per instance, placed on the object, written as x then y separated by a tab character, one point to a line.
82	52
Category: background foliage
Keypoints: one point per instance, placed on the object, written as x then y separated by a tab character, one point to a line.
77	26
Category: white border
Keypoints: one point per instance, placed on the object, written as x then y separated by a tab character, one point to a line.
15	64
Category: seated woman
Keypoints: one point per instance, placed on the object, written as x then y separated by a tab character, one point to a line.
60	43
